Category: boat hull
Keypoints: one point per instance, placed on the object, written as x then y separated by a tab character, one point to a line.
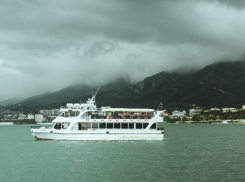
97	136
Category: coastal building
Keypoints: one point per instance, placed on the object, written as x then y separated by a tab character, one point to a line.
8	116
15	116
206	110
194	111
179	113
52	112
229	110
215	109
39	118
30	116
45	112
22	116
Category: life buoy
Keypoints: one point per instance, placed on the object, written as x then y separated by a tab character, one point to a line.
146	119
87	119
102	119
131	118
139	119
117	119
124	119
94	119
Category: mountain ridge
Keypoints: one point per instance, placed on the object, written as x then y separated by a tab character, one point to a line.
219	84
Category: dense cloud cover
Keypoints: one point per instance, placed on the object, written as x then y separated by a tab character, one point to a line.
47	45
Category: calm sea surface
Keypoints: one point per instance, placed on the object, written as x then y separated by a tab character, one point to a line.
189	153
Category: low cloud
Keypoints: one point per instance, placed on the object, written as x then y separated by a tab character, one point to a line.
47	45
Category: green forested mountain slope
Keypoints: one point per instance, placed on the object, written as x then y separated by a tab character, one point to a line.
220	84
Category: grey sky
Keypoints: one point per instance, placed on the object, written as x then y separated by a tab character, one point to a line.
47	45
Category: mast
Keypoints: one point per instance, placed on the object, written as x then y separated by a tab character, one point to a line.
93	98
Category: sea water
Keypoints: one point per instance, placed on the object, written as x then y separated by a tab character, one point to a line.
190	153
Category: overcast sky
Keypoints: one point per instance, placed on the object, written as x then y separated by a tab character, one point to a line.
46	45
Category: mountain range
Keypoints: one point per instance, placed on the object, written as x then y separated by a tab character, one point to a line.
221	84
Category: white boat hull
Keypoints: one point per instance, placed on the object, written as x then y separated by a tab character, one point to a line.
97	136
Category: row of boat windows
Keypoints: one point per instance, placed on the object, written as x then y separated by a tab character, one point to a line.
85	126
117	115
61	125
105	116
70	114
96	116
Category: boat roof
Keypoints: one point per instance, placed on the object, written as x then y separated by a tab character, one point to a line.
127	110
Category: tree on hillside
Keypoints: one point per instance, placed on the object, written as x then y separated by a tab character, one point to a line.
212	117
242	116
196	117
167	119
233	116
205	116
184	119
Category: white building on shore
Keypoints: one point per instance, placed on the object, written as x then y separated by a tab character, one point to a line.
39	118
229	110
194	111
30	116
52	112
22	117
179	113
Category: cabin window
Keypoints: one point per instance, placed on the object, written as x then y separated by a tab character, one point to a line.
57	126
153	126
102	125
86	115
65	125
109	125
145	125
66	114
95	116
84	126
131	125
94	125
74	113
89	113
124	125
138	125
117	126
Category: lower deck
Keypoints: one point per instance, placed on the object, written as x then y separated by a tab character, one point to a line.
99	136
100	131
105	125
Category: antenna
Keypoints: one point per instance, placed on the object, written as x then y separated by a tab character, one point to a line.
93	98
97	91
159	106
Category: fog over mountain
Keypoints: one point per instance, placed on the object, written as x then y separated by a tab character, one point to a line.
48	45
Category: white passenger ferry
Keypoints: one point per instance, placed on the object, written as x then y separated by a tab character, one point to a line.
86	122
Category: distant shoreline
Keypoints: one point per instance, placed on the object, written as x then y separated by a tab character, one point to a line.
206	122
